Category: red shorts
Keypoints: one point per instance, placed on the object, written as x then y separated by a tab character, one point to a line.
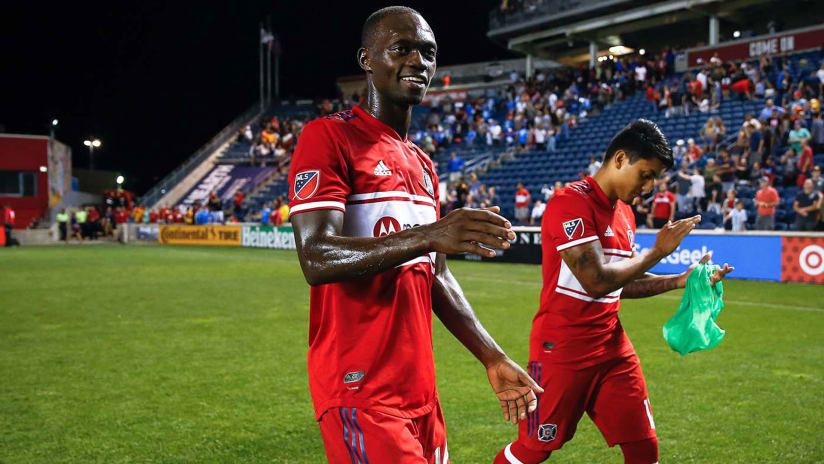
613	394
361	436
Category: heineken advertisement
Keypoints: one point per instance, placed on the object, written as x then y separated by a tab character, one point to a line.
279	238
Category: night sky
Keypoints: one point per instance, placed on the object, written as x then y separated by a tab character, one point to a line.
154	81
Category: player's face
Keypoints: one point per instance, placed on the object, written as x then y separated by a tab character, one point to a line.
637	178
403	58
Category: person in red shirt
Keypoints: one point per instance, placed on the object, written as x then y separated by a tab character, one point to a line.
238	203
578	349
766	199
8	223
372	246
522	203
663	206
743	88
805	163
93	222
153	216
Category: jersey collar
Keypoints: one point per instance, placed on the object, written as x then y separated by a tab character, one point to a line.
377	124
598	194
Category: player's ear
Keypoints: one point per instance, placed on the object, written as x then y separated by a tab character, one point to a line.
619	158
363	60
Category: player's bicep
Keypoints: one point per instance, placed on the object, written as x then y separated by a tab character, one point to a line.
312	227
585	262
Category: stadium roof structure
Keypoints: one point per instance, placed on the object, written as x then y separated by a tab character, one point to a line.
576	31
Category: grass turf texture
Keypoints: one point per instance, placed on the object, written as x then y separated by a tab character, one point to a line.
188	354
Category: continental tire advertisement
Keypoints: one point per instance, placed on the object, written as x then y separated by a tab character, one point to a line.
199	235
277	238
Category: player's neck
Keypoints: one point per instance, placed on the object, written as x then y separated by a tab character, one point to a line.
602	179
396	116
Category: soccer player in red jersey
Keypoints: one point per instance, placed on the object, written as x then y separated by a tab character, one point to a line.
371	243
578	350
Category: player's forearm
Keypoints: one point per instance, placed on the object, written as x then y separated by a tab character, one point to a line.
456	314
328	259
600	279
650	285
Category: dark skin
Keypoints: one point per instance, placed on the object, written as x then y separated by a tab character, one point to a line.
403	46
621	179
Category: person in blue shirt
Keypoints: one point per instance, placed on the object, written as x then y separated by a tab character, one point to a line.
265	214
455	165
471	135
202	216
522	135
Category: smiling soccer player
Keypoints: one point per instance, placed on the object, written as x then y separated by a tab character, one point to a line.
372	245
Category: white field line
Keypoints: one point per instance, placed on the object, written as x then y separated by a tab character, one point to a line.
668	297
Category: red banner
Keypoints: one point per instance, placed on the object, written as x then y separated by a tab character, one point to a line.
767	45
802	259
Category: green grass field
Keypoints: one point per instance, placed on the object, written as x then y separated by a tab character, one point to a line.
169	355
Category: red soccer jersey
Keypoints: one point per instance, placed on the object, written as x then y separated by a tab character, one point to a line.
662	204
370	340
522	198
571	327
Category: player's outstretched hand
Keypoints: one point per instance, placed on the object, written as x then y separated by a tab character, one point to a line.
514	388
467	230
717	275
670	236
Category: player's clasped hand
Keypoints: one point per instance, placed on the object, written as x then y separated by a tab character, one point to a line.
670	236
469	230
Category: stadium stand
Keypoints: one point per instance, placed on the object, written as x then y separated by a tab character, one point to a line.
544	129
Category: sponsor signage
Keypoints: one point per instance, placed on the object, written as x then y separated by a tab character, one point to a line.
199	235
787	258
149	232
753	48
803	259
278	238
754	256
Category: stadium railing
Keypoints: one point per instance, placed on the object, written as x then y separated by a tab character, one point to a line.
178	174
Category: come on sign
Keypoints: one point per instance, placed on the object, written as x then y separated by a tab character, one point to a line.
772	46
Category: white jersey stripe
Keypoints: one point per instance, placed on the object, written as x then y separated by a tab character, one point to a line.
584	297
511	457
317	205
373	195
616	251
576	242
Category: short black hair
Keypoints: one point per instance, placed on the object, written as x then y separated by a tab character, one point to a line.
641	139
375	18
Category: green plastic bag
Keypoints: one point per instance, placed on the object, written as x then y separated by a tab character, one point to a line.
693	326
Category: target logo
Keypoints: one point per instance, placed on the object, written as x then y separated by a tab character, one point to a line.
811	260
803	259
385	226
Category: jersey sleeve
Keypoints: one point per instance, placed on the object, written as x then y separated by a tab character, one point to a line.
570	221
319	173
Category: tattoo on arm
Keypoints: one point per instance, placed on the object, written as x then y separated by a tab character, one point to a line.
598	278
650	285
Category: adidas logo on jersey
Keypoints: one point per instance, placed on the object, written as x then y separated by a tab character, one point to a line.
382	170
609	232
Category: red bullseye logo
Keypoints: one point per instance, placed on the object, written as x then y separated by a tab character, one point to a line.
385	226
811	260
